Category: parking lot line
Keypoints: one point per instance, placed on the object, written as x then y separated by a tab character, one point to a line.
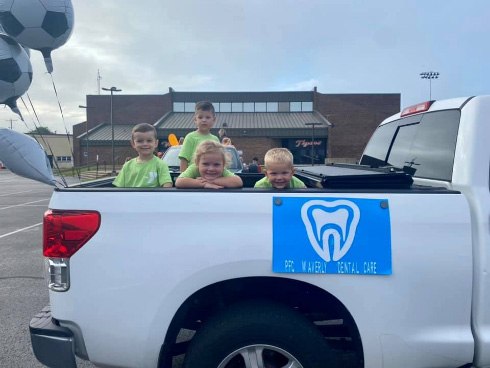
24	191
19	230
23	204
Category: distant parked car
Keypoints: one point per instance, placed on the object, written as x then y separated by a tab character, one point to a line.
171	157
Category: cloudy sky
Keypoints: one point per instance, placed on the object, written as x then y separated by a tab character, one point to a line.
340	46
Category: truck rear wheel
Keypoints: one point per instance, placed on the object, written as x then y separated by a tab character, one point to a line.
259	334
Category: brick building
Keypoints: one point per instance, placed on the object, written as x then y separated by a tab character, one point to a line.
337	125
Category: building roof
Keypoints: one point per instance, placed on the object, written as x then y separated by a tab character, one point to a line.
246	124
278	124
102	133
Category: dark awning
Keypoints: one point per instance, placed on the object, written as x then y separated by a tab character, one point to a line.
246	124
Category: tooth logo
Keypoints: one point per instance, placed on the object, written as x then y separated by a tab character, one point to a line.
330	225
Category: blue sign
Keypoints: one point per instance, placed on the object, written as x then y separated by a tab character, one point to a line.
331	235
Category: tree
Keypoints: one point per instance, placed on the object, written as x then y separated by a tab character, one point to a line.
41	130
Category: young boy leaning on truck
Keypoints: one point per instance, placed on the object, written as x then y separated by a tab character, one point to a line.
204	117
146	170
279	171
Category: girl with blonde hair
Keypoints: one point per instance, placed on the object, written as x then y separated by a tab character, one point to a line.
209	169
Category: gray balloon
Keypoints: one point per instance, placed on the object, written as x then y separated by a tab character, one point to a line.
24	156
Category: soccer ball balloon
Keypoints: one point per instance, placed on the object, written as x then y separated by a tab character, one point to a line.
42	25
15	72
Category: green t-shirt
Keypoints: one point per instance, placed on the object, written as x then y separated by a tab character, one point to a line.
191	142
192	172
150	174
294	183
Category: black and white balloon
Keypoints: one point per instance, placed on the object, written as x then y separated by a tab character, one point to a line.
42	25
15	72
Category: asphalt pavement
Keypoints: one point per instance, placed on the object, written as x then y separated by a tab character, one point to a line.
23	290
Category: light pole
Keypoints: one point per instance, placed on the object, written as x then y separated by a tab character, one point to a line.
112	90
429	76
11	120
86	129
313	124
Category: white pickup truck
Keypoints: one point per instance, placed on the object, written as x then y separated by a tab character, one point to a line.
364	268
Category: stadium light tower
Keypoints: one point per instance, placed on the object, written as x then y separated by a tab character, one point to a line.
112	90
429	76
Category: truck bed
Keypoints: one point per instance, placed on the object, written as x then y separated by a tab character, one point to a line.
336	176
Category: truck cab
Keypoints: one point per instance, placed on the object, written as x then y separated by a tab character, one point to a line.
440	143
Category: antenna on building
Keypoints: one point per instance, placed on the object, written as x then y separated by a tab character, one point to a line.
98	81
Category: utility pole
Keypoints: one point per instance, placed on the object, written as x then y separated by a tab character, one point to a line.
86	129
313	124
11	121
112	90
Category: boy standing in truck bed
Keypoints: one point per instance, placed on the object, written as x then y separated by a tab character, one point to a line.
204	117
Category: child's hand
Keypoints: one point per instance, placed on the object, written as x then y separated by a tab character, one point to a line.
208	183
212	186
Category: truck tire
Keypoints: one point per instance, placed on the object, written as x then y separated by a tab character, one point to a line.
268	335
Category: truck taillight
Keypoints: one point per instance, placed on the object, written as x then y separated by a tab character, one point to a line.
65	232
421	107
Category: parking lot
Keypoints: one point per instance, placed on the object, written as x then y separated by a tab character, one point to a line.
23	290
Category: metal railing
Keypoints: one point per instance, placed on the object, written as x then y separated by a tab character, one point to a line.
91	171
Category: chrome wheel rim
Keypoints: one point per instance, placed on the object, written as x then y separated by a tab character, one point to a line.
260	356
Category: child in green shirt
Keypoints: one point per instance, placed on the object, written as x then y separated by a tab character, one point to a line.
146	170
204	117
209	170
279	171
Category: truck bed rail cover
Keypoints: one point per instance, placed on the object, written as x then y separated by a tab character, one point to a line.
346	176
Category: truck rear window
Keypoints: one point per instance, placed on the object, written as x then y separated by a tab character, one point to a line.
423	145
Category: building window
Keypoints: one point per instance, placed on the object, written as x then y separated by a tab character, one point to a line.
190	106
260	107
295	106
63	158
272	106
237	107
301	106
179	107
283	107
225	106
307	106
248	107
